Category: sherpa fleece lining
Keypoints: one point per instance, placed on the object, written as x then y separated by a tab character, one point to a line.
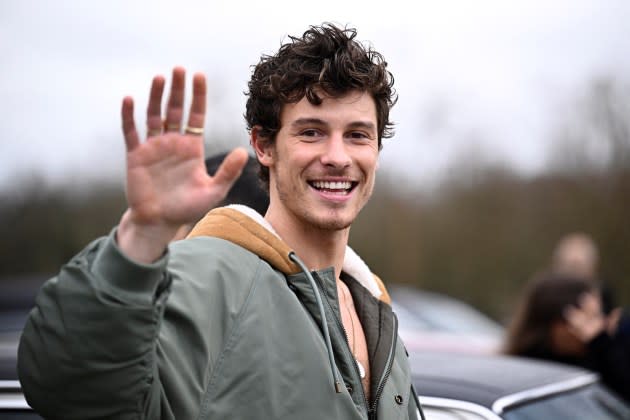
245	227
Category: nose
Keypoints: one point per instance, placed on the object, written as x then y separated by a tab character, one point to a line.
336	152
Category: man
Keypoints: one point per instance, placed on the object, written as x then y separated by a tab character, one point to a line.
576	254
249	317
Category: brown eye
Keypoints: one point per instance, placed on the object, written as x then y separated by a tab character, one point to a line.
359	135
309	133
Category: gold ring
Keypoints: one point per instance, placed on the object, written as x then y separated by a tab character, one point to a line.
153	132
198	131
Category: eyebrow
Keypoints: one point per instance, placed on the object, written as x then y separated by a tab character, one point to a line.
368	125
363	124
307	121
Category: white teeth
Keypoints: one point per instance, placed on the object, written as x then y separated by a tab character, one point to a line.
338	185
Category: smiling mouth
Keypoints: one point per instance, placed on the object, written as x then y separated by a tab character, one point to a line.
334	187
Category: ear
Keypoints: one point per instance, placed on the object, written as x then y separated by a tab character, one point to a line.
262	146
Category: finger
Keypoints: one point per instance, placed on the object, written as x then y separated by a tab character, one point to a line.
128	124
577	322
576	315
154	109
175	107
197	114
231	168
612	320
573	315
589	302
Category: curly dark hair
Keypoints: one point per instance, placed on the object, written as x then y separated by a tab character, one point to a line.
326	58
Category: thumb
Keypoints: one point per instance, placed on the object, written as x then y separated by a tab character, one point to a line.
231	168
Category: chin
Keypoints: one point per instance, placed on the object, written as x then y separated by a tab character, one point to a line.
334	222
334	225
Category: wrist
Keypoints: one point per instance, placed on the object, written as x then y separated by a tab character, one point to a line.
144	243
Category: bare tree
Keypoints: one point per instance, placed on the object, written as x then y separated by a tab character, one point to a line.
594	134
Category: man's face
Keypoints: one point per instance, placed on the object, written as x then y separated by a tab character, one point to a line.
322	164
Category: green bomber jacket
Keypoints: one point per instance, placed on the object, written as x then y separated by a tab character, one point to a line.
228	324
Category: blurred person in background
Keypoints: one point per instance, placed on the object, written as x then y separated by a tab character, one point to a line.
560	318
577	255
247	190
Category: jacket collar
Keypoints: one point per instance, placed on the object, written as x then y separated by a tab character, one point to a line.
245	227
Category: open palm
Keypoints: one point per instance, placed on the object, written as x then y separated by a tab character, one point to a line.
167	182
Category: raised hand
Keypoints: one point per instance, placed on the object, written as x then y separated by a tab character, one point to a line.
167	182
586	320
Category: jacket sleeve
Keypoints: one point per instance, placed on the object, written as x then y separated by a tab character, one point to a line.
610	357
88	348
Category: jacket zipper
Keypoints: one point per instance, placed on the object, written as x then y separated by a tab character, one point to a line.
345	334
388	370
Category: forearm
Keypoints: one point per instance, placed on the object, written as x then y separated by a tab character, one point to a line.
92	334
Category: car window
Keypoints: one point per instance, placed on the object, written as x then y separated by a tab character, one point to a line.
589	403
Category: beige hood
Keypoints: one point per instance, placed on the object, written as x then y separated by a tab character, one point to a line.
247	228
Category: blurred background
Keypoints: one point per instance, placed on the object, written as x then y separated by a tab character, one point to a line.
513	127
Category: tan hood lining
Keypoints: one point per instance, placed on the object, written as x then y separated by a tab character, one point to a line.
236	227
243	226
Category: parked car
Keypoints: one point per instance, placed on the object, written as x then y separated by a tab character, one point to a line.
434	321
468	387
450	385
12	403
493	387
17	297
13	406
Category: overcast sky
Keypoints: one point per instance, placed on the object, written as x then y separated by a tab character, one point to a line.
483	75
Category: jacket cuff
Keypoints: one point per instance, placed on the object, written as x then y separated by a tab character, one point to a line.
137	280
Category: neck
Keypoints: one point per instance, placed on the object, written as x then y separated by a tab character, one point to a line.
318	248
